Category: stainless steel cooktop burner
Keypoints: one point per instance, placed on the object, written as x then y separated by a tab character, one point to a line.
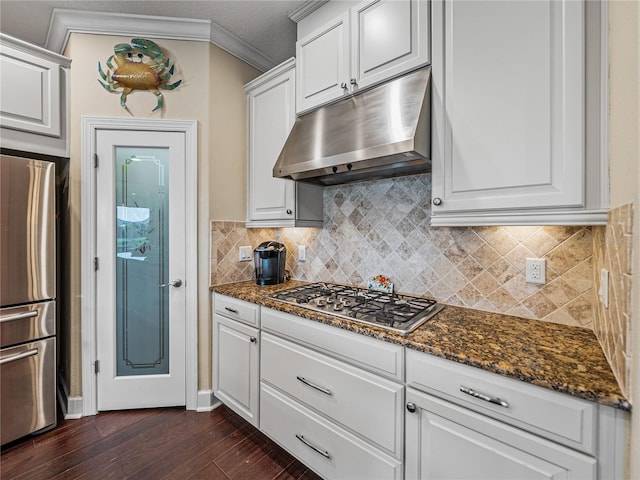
391	311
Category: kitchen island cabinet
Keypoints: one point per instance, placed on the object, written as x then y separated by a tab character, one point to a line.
34	105
365	45
516	114
276	202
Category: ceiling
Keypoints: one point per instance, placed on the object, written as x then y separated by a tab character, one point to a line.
263	24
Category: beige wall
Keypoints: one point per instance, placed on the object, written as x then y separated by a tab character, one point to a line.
624	150
193	100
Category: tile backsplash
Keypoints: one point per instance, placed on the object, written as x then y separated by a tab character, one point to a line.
612	248
382	227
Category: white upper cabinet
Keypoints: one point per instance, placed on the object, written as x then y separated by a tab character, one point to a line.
33	98
367	44
276	202
511	106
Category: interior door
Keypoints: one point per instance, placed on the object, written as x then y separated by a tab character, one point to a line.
140	246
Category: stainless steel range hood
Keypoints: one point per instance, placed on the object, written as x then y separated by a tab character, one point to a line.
378	133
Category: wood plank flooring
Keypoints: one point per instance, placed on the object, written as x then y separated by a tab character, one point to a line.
167	443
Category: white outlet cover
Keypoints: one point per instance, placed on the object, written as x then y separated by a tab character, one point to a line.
244	253
603	291
535	271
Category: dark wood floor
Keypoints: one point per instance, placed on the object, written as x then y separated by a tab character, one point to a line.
167	443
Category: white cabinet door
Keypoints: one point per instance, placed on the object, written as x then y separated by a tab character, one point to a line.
276	202
509	106
271	115
236	367
33	111
323	64
368	44
444	441
389	37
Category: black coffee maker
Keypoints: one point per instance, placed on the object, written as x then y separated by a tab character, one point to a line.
269	259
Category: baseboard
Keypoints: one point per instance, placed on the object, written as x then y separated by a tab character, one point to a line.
206	401
71	406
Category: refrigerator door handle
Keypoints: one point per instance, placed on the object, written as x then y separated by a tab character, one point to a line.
13	358
18	316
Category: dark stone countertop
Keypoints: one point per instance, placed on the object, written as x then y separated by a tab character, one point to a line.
559	357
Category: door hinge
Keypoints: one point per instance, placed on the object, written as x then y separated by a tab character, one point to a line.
95	264
96	366
95	160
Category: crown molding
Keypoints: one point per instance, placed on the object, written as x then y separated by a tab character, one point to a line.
25	47
240	49
64	22
306	9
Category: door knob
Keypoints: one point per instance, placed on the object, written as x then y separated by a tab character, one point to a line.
175	283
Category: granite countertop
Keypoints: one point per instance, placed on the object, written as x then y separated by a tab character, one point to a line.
559	357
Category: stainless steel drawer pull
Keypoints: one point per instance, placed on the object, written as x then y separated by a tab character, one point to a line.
13	358
324	453
482	396
19	316
231	310
326	391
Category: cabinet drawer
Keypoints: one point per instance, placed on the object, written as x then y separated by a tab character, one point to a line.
359	400
326	448
374	355
245	312
553	415
440	434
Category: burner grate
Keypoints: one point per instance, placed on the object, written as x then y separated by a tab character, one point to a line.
400	313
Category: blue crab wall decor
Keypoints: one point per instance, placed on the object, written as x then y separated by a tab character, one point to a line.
132	72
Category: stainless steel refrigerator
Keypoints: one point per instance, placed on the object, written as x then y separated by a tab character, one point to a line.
27	297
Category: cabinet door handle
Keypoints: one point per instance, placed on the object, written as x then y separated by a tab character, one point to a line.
343	85
353	82
289	211
253	339
326	391
324	453
231	310
411	407
437	201
482	396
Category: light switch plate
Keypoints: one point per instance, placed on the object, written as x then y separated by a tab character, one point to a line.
302	253
244	254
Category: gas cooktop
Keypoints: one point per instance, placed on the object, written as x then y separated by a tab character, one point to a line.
390	311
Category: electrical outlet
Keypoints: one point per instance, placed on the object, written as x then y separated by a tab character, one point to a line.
244	254
536	271
302	253
603	291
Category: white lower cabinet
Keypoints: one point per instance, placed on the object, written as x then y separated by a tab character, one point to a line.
446	441
350	406
325	405
236	352
328	449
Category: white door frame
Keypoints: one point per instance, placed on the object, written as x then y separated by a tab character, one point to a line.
90	126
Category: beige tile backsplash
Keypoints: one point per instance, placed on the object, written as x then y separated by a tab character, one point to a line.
612	251
383	227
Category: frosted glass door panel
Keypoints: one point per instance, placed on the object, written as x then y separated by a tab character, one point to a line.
142	261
